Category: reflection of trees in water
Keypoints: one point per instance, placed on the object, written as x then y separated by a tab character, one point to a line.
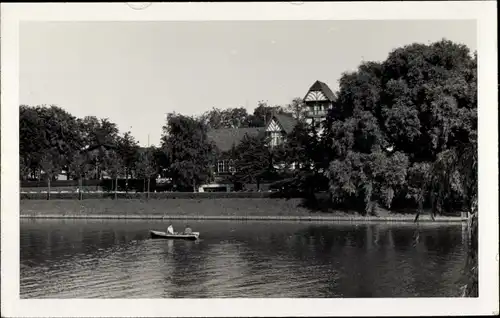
392	261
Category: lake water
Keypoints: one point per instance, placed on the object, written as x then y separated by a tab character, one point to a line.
117	259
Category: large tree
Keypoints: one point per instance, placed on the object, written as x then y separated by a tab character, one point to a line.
304	151
99	136
128	150
46	129
404	111
253	160
189	151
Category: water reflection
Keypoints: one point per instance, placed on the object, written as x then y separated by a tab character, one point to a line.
86	259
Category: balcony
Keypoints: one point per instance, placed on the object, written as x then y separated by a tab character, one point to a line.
316	113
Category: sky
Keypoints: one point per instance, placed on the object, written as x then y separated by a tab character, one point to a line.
136	72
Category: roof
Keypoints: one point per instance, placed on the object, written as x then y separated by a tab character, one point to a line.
225	138
286	121
320	86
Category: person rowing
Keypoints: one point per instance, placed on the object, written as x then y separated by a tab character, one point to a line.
170	229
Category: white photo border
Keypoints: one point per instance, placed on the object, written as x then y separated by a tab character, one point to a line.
484	12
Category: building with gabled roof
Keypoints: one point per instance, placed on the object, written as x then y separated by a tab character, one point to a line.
278	127
319	99
225	138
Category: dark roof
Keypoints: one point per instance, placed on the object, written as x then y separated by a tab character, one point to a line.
320	86
225	138
286	121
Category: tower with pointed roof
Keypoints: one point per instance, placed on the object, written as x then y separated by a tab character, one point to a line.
318	100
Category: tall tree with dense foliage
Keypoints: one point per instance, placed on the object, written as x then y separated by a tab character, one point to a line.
43	129
99	135
253	160
128	150
303	151
189	151
402	112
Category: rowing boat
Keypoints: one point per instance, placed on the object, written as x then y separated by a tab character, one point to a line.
180	236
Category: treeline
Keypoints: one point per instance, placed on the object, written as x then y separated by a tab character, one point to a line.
54	142
239	117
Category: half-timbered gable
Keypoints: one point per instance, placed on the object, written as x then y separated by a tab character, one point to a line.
278	127
318	100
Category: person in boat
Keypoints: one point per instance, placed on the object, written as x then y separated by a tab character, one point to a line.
170	229
188	230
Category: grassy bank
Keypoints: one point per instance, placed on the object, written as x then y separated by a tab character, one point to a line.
220	209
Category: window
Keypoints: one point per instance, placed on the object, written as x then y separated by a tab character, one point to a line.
318	109
220	166
224	166
231	167
275	138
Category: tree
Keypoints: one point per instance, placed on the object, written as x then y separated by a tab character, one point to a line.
98	136
147	167
253	160
226	118
304	151
80	166
298	109
262	114
456	170
51	164
114	166
45	129
128	151
24	168
31	132
189	151
417	103
368	178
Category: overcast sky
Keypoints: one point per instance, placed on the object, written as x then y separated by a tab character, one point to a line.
135	72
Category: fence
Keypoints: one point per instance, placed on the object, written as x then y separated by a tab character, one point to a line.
153	195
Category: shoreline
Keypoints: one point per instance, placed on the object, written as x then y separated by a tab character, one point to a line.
239	209
338	218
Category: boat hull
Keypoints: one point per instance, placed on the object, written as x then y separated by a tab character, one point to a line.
163	235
